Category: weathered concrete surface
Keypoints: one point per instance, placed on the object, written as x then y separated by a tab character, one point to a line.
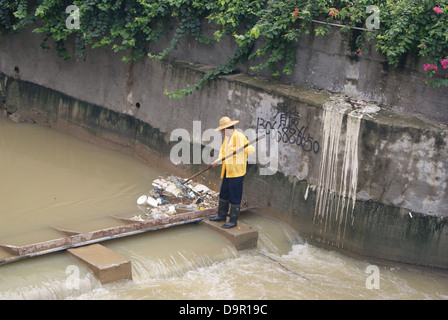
242	236
401	160
329	62
332	62
372	230
107	265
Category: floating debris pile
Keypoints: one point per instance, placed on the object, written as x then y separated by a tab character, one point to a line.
170	196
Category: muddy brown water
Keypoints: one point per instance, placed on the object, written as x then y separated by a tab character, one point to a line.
52	179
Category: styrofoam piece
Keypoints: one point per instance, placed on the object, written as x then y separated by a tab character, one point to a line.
152	202
142	200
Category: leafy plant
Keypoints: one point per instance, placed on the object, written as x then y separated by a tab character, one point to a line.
264	31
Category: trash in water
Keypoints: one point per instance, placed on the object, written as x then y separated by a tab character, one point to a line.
169	196
152	202
137	218
200	188
142	200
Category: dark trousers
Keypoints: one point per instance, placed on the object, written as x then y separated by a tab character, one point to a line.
232	189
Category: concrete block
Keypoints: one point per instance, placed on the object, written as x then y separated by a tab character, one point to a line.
242	236
107	265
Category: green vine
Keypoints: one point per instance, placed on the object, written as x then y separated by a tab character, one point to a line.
265	32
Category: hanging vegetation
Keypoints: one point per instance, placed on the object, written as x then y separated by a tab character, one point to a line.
420	26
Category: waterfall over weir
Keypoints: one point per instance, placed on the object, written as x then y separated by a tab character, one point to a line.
337	184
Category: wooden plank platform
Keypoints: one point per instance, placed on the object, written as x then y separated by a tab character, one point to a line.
74	239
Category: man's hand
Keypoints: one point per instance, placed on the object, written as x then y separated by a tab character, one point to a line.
214	164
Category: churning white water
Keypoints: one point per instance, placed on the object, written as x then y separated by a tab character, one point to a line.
50	178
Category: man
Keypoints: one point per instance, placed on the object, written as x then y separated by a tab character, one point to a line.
232	172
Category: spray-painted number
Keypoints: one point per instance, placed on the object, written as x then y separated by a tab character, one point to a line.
300	139
290	134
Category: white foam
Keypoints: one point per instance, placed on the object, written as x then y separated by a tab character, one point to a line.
327	186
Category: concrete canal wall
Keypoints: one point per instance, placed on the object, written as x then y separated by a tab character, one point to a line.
345	173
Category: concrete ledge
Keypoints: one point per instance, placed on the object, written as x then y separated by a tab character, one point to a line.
107	265
242	236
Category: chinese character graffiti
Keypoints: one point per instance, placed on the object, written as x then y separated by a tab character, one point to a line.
287	128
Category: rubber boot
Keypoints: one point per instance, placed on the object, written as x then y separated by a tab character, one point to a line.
223	208
234	213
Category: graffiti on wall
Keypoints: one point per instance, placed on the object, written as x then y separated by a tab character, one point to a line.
286	127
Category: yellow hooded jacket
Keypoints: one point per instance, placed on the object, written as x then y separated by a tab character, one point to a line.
234	166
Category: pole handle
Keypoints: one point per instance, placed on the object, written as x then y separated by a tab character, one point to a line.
226	157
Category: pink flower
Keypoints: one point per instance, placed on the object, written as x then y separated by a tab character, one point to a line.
295	13
444	63
437	10
423	45
427	67
333	12
360	52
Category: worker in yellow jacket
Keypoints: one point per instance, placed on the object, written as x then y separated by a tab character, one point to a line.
232	172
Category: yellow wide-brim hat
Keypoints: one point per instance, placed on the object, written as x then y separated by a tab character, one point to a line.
226	122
